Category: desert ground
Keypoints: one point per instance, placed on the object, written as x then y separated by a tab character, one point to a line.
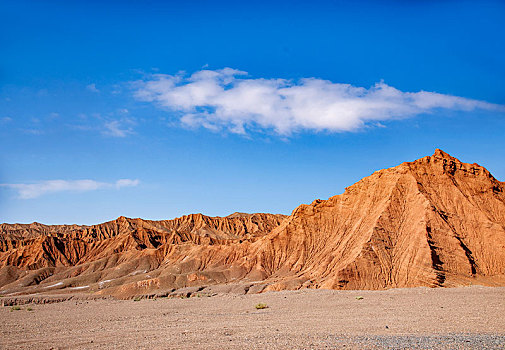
417	318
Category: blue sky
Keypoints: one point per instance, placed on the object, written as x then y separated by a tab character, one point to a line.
144	109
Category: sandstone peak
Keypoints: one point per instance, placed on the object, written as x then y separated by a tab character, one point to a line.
238	214
441	154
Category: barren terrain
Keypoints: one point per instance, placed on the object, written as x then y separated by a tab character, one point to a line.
341	265
419	318
433	222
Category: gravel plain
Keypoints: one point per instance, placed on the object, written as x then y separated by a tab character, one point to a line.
416	318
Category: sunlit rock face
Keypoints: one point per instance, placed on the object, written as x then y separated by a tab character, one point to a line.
432	222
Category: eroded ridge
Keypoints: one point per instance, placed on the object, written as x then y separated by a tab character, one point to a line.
432	222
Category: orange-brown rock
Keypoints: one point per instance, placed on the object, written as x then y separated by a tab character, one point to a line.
34	256
432	222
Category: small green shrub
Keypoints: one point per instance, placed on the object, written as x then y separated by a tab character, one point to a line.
29	309
15	308
359	298
137	299
261	306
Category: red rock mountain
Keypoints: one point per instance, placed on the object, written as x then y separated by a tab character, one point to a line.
432	222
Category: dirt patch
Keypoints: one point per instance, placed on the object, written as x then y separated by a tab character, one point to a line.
463	318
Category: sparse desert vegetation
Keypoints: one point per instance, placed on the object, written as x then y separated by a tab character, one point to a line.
260	306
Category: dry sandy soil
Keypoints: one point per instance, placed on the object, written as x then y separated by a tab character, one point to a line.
418	318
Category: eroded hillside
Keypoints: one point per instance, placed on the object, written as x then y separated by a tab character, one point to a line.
432	222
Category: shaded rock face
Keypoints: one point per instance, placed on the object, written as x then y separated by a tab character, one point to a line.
432	222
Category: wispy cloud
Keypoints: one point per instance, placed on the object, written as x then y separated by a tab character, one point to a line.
37	189
33	131
53	116
92	88
118	128
113	124
229	99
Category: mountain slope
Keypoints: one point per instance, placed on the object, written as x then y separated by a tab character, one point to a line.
432	222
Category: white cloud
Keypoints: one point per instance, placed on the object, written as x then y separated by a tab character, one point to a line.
92	88
229	99
118	128
34	190
126	183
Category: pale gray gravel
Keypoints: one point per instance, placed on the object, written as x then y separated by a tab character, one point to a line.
418	318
